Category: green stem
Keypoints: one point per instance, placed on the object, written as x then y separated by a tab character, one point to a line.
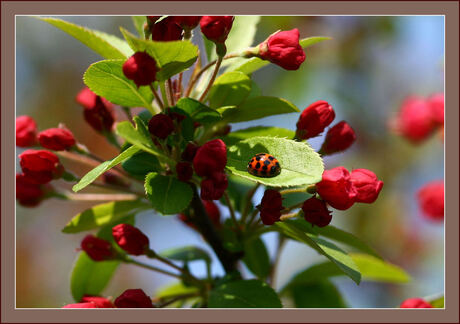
287	216
296	190
232	212
158	99
249	196
128	114
171	92
164	94
153	268
213	77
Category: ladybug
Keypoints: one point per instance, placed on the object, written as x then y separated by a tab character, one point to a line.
264	165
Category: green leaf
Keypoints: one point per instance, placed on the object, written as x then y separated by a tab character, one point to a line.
141	163
198	111
175	289
171	57
244	294
229	89
253	64
139	22
339	257
167	194
335	234
256	108
108	46
436	302
90	277
300	164
186	254
106	79
102	214
137	137
250	132
320	294
256	258
103	167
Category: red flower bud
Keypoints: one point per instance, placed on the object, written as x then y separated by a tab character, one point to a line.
28	193
283	49
57	139
100	302
213	188
210	158
367	185
213	212
81	305
96	248
161	126
26	131
141	68
184	171
133	298
431	200
189	152
436	104
415	303
314	119
415	120
336	188
153	19
216	28
338	138
40	166
166	30
98	112
130	239
270	207
315	211
187	22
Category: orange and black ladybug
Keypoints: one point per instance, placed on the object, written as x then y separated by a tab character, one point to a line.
264	165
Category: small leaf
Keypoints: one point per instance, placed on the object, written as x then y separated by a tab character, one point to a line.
137	137
253	64
250	132
101	215
139	22
256	108
106	79
108	46
244	294
300	164
198	111
167	194
320	294
436	302
141	163
186	254
103	167
340	258
256	258
171	57
175	289
229	89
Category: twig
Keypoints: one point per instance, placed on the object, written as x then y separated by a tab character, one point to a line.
230	209
101	197
153	268
171	92
213	77
157	97
249	196
177	298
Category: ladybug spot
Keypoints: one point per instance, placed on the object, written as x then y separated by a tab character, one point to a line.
257	165
271	158
277	164
264	168
266	162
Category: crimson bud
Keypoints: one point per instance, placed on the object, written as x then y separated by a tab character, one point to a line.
216	28
283	49
98	112
367	185
184	171
100	302
81	305
189	152
96	248
213	188
338	138
40	166
166	30
210	158
28	193
161	126
431	200
415	303
436	104
130	239
314	119
315	211
26	131
141	68
187	22
336	188
213	211
133	298
57	139
270	207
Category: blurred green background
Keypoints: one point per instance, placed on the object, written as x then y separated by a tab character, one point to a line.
364	72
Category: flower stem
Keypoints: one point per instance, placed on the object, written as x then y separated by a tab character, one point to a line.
171	92
213	77
157	98
287	216
164	95
153	268
100	197
232	212
249	196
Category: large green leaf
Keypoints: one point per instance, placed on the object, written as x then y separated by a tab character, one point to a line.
186	254
229	89
256	108
90	277
167	194
250	132
198	111
335	234
244	294
106	45
253	64
141	163
319	294
300	164
171	57
102	214
256	258
103	167
339	257
175	289
106	79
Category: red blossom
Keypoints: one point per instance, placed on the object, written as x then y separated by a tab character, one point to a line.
210	158
141	68
184	171
166	30
436	104
189	152
40	166
96	248
56	139
187	22
100	302
283	49
26	131
431	200
314	119
130	239
213	188
336	188
415	303
338	138
216	28
81	305
316	212
133	298
98	112
367	185
28	193
161	126
270	207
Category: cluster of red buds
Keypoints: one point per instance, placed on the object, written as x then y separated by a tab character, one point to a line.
130	298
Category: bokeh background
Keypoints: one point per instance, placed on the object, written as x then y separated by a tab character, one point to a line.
364	72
